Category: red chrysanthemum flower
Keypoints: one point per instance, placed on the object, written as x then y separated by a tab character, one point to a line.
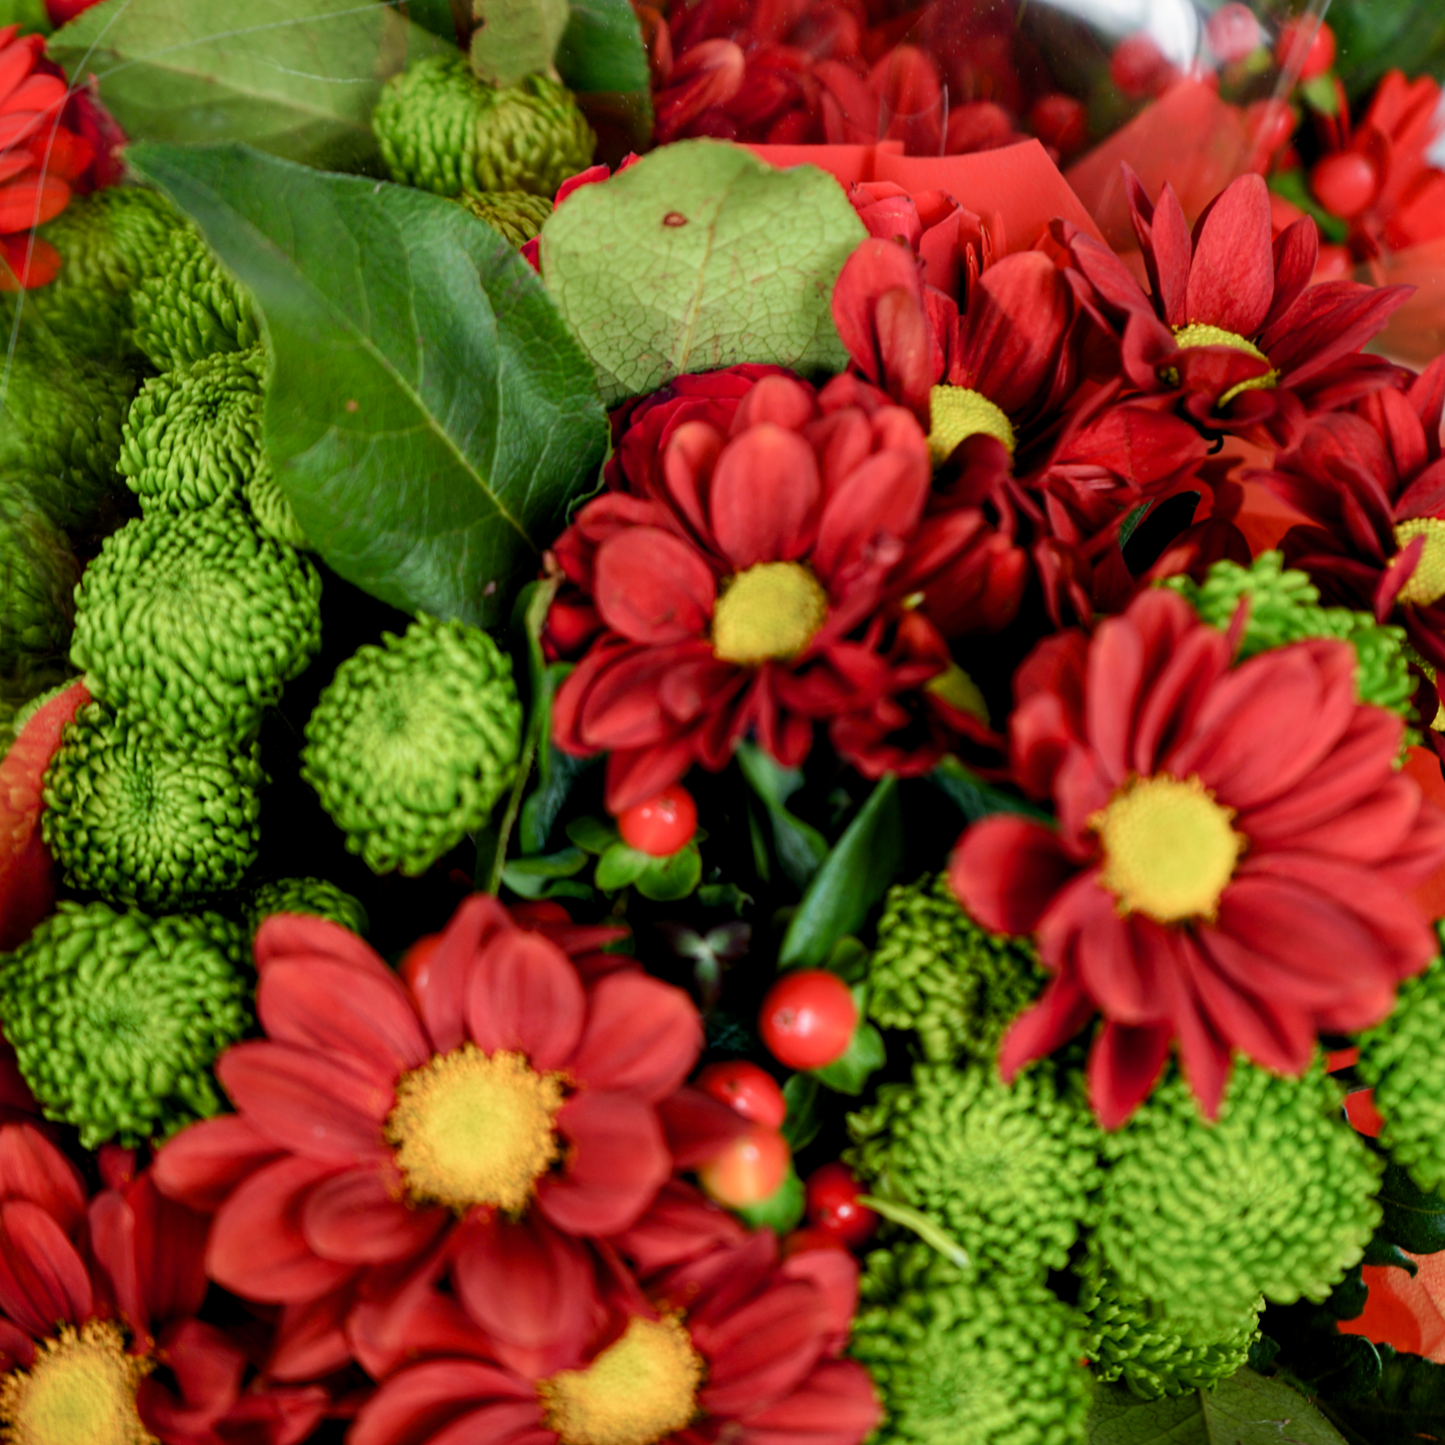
1232	859
1231	322
747	582
728	1343
98	1304
1372	483
496	1101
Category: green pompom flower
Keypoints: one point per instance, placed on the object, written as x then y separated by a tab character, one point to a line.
271	509
413	742
1009	1170
516	214
194	435
38	573
441	129
935	971
1130	1339
1276	1198
1403	1059
116	1018
313	896
139	818
196	621
965	1361
186	306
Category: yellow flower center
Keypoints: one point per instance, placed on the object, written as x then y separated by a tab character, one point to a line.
955	413
770	611
636	1392
80	1391
1169	851
473	1128
1427	581
960	691
1199	333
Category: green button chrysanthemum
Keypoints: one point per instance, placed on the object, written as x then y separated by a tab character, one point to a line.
313	896
197	622
140	818
516	214
116	1018
960	1360
1009	1170
187	306
935	971
1276	1198
441	129
38	573
412	743
270	507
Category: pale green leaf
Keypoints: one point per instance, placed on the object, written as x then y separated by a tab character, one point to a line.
515	38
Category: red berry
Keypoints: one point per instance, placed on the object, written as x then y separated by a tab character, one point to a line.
802	1240
1344	183
417	959
748	1169
1270	124
1233	32
1138	66
833	1207
807	1019
746	1089
1059	121
661	825
1317	44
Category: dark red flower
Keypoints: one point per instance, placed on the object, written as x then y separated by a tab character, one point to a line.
751	581
1231	323
1232	859
493	1102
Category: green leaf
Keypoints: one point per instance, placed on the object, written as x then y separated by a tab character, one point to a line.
665	880
1245	1409
800	848
700	256
1413	1219
802	1123
602	50
434	15
621	865
514	38
428	417
1381	1251
591	834
562	864
297	78
854	877
781	1211
556	773
975	798
29	15
850	1074
1408	1406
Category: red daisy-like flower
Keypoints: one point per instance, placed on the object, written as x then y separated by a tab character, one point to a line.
729	1343
751	579
1232	859
495	1102
1231	322
98	1334
1372	483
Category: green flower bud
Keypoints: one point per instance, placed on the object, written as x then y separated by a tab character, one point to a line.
517	215
313	896
186	306
1276	1198
116	1018
413	743
441	129
935	971
1009	1170
960	1360
140	818
197	621
38	573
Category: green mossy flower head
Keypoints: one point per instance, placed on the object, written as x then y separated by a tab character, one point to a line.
413	742
936	972
139	817
441	129
313	896
516	214
193	436
1284	608
270	507
1403	1059
117	1017
1275	1198
38	573
1009	1170
196	621
187	306
960	1360
1130	1339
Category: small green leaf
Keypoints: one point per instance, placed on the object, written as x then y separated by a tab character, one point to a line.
1320	94
29	15
724	895
781	1211
434	15
515	38
665	880
591	834
800	848
1131	522
1413	1219
547	865
975	798
1381	1251
428	418
602	49
854	877
1408	1405
850	1074
619	866
801	1126
700	256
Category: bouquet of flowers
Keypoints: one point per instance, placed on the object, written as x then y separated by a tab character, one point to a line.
721	724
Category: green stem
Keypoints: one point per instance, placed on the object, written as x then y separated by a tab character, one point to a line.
921	1225
514	806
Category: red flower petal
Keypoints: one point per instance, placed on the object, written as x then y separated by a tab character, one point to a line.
25	204
303	936
696	1127
1124	1065
310	1339
439	985
207	1366
524	995
1007	870
353	1218
419	1401
835	1405
765	495
680	1224
652	587
43	1281
641	1035
32	1168
1231	278
202	1164
762	1351
834	1274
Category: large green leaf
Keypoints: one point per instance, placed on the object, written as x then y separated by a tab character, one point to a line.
700	256
428	416
1245	1409
297	78
513	38
602	49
